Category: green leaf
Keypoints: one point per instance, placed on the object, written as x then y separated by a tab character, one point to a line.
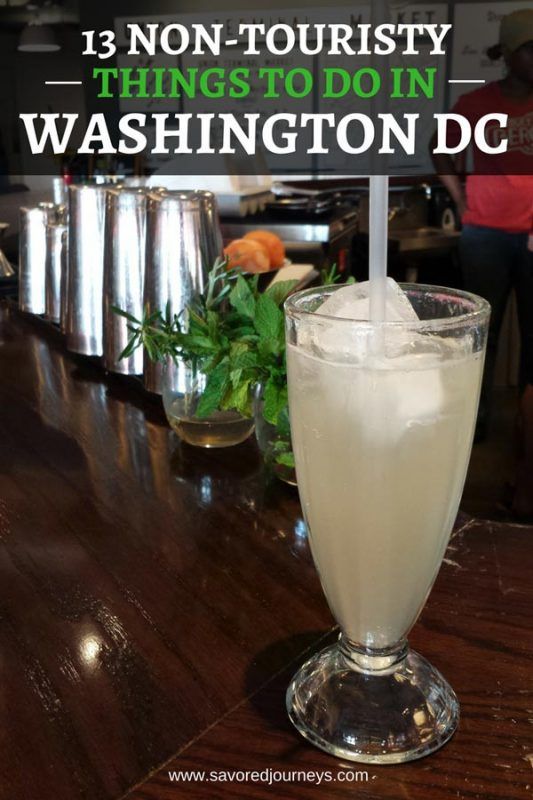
240	399
286	460
268	319
283	426
235	377
132	345
208	363
196	345
152	355
280	291
119	312
196	320
237	348
244	333
242	298
333	276
329	277
213	324
202	343
151	319
245	360
275	399
217	383
268	350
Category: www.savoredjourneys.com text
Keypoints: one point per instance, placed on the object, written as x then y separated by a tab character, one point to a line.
269	776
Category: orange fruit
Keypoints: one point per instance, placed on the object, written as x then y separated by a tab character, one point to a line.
248	255
273	244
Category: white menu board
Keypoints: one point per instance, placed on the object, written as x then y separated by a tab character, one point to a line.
476	28
399	12
398	163
148	105
255	102
231	56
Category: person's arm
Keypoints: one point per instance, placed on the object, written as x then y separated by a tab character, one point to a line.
446	169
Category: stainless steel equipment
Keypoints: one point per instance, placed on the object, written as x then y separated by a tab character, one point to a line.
408	208
310	237
32	256
175	265
6	268
63	292
125	254
84	312
55	232
60	191
212	243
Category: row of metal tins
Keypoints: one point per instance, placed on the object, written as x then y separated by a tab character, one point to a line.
132	248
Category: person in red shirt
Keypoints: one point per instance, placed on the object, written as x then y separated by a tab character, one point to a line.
497	214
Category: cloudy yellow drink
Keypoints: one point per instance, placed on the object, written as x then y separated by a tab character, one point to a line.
382	448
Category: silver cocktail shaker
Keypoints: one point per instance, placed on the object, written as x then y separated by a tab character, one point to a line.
60	191
32	256
175	265
55	236
85	284
212	242
63	292
125	255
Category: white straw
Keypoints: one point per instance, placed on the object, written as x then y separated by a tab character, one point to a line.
379	224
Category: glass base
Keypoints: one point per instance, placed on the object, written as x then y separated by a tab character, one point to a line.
383	707
221	429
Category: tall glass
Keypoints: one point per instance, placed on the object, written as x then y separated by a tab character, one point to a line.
382	420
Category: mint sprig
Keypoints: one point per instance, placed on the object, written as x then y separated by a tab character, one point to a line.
235	335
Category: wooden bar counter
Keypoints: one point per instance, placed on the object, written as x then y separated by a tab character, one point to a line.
156	599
